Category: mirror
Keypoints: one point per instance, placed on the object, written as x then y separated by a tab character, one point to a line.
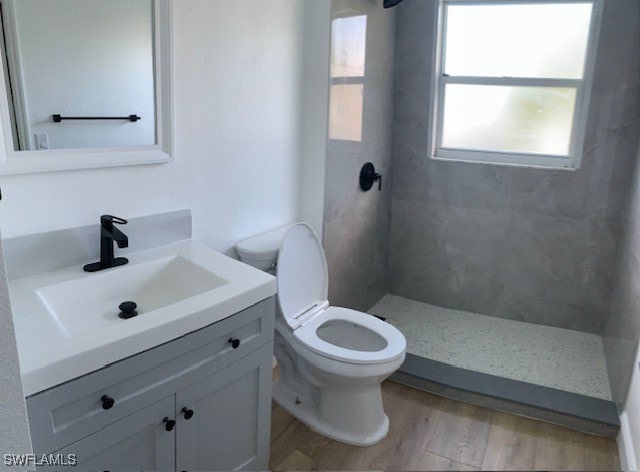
85	83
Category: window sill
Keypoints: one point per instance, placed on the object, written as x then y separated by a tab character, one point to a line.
509	160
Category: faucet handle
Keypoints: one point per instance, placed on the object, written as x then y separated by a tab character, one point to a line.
112	219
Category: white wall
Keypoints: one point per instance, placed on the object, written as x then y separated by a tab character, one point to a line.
315	111
237	79
14	432
108	72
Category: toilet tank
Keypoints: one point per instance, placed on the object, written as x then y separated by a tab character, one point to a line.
261	251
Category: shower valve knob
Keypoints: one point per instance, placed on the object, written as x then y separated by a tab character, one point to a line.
368	176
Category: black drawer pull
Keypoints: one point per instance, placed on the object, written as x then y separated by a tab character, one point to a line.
169	424
235	343
188	414
107	402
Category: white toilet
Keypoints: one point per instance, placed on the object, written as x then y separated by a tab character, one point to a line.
332	360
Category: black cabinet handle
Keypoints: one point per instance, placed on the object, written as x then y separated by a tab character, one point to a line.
235	343
107	402
188	414
169	424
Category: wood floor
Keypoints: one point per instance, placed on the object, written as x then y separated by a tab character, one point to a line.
428	432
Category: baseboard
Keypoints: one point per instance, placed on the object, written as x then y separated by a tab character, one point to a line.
628	460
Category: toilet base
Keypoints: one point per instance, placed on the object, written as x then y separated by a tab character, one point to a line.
306	411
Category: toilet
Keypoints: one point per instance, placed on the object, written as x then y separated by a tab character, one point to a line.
332	360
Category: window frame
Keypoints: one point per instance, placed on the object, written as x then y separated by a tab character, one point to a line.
348	80
583	88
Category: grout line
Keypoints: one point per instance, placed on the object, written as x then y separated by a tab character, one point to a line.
456	461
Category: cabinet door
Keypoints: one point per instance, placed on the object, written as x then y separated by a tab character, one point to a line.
230	426
139	441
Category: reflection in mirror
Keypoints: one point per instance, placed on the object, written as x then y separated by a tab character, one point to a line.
89	61
348	54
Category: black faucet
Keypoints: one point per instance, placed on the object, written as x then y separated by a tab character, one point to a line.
108	235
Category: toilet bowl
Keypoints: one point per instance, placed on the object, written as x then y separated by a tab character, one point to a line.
332	360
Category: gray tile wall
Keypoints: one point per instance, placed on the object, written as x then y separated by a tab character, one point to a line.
525	244
356	226
622	330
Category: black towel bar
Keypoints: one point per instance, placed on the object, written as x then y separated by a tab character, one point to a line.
132	118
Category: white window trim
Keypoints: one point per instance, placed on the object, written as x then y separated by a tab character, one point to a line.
583	95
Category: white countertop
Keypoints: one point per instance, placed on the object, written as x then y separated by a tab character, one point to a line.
49	356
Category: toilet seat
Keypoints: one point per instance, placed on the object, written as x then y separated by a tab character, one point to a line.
302	297
307	335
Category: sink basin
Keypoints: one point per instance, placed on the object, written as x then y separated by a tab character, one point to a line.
91	302
67	322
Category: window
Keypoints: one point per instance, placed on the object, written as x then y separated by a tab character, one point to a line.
348	57
513	81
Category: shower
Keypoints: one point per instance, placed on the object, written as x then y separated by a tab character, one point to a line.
497	275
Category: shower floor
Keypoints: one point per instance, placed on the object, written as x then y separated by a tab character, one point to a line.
551	357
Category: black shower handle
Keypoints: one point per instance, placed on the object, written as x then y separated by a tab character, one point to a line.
368	176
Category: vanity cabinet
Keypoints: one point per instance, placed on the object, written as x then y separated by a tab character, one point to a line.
200	402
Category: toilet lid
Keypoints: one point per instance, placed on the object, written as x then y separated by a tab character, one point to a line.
302	274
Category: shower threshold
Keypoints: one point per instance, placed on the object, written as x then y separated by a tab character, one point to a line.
547	373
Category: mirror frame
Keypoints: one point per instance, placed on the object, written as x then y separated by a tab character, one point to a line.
26	162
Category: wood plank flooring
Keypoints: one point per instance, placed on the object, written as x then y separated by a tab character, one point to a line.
428	432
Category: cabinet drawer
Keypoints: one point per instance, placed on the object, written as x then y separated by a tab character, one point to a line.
76	409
